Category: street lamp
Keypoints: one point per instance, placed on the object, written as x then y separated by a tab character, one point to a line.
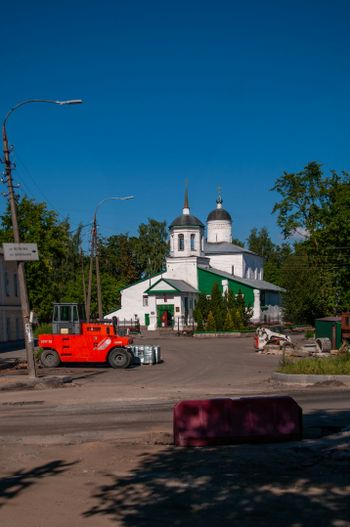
28	334
94	253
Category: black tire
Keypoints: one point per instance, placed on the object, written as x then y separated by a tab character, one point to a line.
119	358
50	359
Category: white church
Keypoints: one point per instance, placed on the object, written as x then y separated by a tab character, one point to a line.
195	263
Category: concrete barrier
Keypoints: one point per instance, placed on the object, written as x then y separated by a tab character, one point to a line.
243	420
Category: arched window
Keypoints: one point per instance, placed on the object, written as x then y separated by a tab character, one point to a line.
193	242
181	242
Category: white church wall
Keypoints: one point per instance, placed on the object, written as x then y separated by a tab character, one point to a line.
253	267
132	301
182	269
190	248
219	231
228	263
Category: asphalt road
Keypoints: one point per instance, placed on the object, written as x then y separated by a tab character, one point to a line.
137	403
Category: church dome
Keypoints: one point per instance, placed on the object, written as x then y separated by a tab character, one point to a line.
219	214
186	220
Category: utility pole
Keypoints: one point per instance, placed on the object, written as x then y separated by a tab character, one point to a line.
28	333
94	255
23	293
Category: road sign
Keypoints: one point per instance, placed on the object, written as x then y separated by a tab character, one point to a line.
20	252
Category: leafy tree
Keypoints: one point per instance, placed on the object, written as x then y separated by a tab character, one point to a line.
315	206
59	258
274	255
260	243
119	258
305	199
310	289
152	246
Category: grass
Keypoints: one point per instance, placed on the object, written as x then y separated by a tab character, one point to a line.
337	365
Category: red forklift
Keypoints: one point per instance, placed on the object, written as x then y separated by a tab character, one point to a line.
73	339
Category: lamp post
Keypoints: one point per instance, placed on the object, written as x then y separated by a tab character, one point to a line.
94	254
28	334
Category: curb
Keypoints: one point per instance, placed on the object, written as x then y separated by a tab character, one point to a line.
54	381
294	378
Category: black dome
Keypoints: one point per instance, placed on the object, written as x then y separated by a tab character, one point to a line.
219	214
186	220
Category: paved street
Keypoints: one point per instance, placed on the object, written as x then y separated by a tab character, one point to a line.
68	452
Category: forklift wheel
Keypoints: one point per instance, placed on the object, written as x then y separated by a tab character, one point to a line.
119	358
50	359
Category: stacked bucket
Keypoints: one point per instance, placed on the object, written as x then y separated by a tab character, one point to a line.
146	354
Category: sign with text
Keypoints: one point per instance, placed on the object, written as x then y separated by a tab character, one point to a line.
20	252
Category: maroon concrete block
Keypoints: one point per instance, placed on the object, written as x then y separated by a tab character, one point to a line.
243	420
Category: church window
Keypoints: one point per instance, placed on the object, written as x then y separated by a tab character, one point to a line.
181	242
145	300
193	242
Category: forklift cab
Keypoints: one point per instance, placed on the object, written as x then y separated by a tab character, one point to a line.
67	319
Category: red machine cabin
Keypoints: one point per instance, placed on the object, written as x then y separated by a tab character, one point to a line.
75	340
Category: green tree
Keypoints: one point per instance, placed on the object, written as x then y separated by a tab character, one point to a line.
211	324
202	308
152	246
309	288
229	325
260	243
119	258
58	253
315	206
217	306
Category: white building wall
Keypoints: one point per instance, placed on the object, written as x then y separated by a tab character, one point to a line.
253	267
132	301
219	231
244	265
186	232
185	269
227	263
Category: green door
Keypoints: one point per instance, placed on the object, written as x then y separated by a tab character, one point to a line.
146	319
169	308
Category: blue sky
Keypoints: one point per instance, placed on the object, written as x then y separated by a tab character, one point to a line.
227	93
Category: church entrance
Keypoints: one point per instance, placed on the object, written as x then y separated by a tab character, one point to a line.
165	315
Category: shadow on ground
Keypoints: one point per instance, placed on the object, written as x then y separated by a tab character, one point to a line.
19	481
290	485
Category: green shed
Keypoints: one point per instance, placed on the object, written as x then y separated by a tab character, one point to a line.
329	327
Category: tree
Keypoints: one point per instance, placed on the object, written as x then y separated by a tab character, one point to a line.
58	253
260	243
211	324
274	255
309	288
217	307
315	206
229	325
152	246
119	258
306	199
